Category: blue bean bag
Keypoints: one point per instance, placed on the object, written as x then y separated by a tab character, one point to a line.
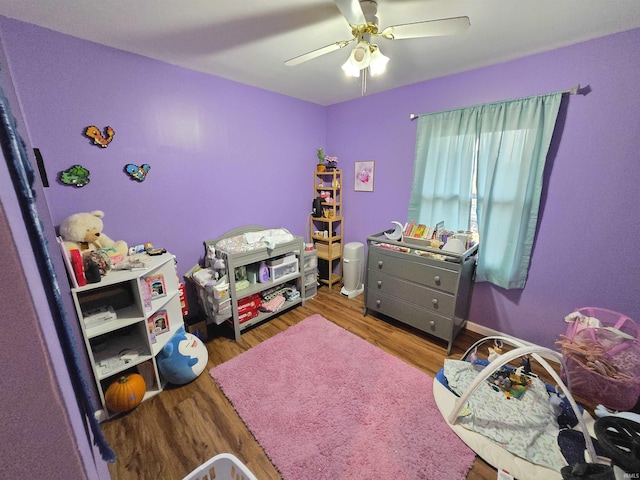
183	358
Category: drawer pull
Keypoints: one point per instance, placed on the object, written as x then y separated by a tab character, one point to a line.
378	303
437	279
379	283
434	301
432	323
379	263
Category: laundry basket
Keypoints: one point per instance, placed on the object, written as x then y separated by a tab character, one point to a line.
603	366
223	466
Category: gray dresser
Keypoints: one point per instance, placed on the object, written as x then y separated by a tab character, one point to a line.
416	287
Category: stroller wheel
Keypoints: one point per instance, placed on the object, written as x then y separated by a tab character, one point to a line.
620	438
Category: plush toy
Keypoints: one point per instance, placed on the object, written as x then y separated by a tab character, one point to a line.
84	232
183	358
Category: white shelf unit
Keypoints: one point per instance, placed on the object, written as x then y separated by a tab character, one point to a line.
129	294
253	257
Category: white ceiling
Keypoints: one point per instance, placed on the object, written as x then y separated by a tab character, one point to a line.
249	40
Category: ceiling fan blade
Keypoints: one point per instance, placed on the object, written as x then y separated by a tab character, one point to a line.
352	11
429	28
316	53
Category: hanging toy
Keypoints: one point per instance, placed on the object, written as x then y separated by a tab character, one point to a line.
78	176
136	172
98	139
496	351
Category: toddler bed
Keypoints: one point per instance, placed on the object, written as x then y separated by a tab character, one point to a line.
519	435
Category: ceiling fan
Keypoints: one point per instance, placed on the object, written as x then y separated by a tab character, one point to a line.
362	18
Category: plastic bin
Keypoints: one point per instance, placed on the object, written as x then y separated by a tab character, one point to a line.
310	278
310	261
284	269
310	291
223	466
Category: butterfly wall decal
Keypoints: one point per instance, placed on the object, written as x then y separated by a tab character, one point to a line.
136	172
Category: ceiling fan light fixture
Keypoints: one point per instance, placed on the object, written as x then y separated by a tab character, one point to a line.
350	70
360	56
378	63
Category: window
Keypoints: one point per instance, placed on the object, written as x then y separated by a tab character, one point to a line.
484	164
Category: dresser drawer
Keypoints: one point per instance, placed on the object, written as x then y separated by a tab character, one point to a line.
412	268
441	302
420	318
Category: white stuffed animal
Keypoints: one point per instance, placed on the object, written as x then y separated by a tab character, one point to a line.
84	231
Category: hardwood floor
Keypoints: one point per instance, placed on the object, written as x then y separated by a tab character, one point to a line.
171	434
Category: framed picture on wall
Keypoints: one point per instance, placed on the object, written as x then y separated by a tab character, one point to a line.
364	176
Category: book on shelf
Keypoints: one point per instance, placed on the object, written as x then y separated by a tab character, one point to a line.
152	330
158	323
66	256
145	369
157	286
429	233
98	315
78	267
420	231
145	294
132	264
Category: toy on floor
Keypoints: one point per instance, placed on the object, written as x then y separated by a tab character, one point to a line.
494	353
83	231
183	358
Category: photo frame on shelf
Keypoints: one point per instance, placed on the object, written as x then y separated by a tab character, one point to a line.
152	329
157	286
364	172
159	322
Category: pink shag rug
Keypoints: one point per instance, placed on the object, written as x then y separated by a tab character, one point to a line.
325	404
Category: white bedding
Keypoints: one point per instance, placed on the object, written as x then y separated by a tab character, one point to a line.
526	427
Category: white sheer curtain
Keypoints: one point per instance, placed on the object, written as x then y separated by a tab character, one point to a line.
506	143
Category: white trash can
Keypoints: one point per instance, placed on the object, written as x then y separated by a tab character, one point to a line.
353	262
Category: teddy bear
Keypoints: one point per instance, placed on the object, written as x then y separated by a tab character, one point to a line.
84	231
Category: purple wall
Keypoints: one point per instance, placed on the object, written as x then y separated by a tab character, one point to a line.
36	440
222	154
590	226
43	432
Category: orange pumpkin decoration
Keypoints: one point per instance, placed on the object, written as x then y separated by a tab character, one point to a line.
126	393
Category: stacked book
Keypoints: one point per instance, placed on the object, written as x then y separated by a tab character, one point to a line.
98	316
418	230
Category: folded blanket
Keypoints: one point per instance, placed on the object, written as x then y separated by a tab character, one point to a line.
273	305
